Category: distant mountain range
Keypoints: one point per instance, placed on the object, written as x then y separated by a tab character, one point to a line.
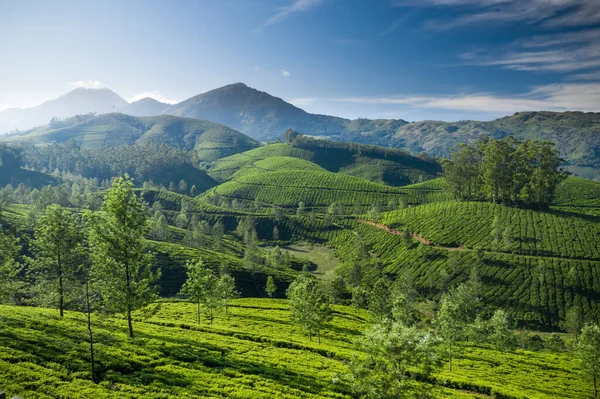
263	117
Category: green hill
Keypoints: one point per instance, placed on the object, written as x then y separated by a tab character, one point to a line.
209	140
376	164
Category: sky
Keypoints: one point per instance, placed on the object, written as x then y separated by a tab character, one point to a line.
408	59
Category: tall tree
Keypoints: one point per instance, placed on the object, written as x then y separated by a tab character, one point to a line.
119	250
588	354
574	321
10	269
270	288
503	337
227	289
56	247
309	305
379	301
194	287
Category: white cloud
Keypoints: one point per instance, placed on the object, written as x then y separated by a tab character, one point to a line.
285	74
549	13
556	97
87	84
296	7
152	94
564	52
302	101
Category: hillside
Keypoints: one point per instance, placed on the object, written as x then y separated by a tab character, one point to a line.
210	140
251	353
376	164
255	113
145	107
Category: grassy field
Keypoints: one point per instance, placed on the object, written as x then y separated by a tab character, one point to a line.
254	352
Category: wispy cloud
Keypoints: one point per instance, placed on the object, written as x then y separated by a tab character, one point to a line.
557	97
549	13
285	74
152	94
302	101
295	7
87	84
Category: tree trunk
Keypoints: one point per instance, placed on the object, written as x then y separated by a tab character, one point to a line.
61	290
319	337
198	313
89	326
128	287
450	362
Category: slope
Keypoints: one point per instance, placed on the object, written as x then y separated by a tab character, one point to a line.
255	113
376	164
210	140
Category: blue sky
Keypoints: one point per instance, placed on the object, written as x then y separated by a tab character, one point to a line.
409	59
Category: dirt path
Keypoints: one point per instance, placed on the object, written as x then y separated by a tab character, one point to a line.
413	235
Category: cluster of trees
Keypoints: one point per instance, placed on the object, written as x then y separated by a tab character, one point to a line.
91	262
204	288
143	162
79	193
10	156
505	171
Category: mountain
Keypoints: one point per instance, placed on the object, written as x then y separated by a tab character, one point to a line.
210	140
145	107
263	116
78	101
256	113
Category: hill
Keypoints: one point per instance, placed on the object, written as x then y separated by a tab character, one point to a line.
145	107
255	113
78	101
209	140
376	164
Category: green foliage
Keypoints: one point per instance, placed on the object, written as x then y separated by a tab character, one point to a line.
505	171
57	248
309	305
503	337
270	288
393	354
588	353
119	249
11	282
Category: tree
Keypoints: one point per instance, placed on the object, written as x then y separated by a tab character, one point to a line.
10	268
503	337
393	354
375	212
588	354
270	288
159	227
309	305
290	135
193	191
574	321
301	209
119	250
172	186
56	248
227	289
379	303
275	234
336	288
183	186
202	288
449	328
